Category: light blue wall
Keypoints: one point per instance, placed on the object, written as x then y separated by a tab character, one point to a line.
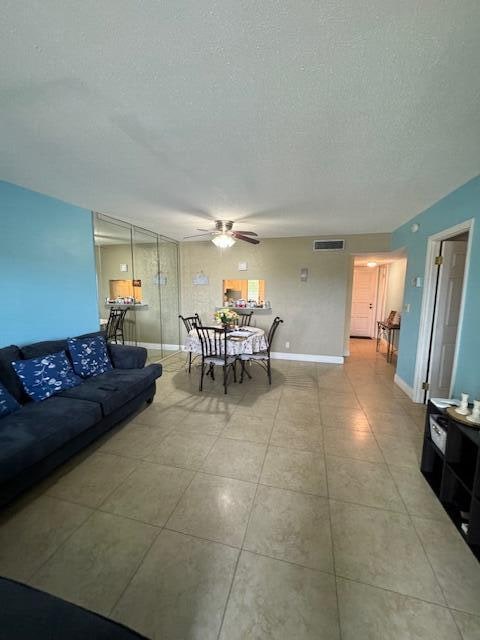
47	267
460	205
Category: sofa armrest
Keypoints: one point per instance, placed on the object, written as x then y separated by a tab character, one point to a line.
126	357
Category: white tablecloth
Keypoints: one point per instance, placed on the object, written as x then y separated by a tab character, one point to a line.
252	344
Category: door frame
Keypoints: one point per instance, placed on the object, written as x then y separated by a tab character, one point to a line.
428	305
383	273
373	321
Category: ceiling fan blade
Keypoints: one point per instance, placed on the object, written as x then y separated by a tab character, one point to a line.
247	233
199	235
239	236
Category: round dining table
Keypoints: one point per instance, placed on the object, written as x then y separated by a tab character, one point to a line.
244	340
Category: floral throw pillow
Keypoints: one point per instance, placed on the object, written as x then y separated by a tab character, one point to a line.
45	376
89	356
8	404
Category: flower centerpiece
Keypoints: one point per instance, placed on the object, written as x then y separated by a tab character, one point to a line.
226	317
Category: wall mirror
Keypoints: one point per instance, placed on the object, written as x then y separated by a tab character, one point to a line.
238	292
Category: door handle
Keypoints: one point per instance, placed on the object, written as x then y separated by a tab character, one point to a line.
370	306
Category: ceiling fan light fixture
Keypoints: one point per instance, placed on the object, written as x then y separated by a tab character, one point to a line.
223	241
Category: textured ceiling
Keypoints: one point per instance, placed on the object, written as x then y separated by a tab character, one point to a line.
297	117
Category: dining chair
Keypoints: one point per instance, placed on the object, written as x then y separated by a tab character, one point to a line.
213	343
245	319
189	322
263	357
114	329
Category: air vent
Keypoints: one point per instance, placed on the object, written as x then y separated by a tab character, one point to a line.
328	245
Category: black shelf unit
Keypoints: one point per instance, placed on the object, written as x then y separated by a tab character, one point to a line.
455	476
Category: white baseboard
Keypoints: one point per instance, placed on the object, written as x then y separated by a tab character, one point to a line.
306	357
172	347
158	345
406	388
301	357
276	355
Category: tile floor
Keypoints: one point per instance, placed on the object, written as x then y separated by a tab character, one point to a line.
289	512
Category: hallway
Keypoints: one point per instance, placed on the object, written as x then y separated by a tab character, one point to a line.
295	511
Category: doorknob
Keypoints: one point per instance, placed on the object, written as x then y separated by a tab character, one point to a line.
370	306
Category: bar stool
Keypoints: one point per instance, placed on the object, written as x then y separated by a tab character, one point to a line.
114	331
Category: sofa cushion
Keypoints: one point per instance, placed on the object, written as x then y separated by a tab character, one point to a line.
89	356
127	357
8	404
45	376
115	388
8	376
38	429
39	349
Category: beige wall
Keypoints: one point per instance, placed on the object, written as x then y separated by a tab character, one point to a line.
315	313
395	286
395	289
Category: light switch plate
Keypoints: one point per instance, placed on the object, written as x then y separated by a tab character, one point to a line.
124	267
242	266
406	308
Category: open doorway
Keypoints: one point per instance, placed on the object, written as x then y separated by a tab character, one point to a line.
442	312
377	290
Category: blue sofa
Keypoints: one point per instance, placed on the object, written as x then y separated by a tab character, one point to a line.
42	435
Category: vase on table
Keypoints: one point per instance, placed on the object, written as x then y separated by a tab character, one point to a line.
463	409
475	415
226	317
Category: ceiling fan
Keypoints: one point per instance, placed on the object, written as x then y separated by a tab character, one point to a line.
223	236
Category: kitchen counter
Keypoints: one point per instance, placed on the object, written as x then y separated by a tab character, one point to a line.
246	309
120	305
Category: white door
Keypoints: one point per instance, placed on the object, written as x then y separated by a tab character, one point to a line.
364	297
447	313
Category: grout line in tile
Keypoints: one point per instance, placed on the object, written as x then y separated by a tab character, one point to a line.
135	570
304	493
197	537
62	544
406	510
130	518
400	593
245	532
412	522
339	622
428	559
289	562
118	485
154	540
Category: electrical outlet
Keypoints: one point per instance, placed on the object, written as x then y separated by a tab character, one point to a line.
406	308
287	345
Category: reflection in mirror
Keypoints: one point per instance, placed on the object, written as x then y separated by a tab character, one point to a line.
244	293
138	269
